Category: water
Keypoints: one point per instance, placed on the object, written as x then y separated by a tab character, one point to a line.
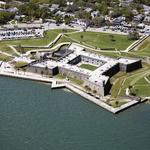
34	117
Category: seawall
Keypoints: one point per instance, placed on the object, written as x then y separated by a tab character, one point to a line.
71	87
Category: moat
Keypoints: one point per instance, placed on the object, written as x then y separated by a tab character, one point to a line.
34	117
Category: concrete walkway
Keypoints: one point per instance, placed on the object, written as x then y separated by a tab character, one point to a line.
6	54
147	80
12	47
136	43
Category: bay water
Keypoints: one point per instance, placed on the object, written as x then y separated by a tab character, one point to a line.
34	117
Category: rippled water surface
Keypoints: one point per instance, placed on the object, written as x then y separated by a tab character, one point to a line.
34	117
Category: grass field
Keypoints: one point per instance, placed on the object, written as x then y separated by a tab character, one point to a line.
144	48
139	85
94	39
88	67
51	35
5	57
123	80
103	40
117	103
76	81
20	64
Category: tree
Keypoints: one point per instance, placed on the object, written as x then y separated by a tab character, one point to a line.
42	72
20	48
112	37
58	19
5	17
116	103
83	15
98	21
82	36
86	87
24	70
94	91
46	69
67	19
133	35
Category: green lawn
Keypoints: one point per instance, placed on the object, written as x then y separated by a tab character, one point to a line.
123	80
117	103
143	49
88	67
142	90
5	57
20	64
103	40
140	86
145	46
51	35
60	76
116	87
76	81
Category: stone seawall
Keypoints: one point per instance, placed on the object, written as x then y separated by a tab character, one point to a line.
71	87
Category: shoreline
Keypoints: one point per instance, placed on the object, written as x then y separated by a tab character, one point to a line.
72	88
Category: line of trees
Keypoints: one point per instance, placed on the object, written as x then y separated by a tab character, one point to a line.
5	17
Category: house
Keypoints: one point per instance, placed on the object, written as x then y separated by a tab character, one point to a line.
2	4
60	13
138	18
40	21
135	12
70	14
88	10
44	6
54	7
146	10
146	20
125	3
95	14
141	26
69	3
83	22
118	20
12	10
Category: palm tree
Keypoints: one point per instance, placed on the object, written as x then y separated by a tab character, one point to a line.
42	72
46	35
89	89
95	92
86	88
46	69
24	70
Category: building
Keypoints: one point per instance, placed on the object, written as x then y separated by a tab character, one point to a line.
146	20
20	33
67	62
95	14
2	4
